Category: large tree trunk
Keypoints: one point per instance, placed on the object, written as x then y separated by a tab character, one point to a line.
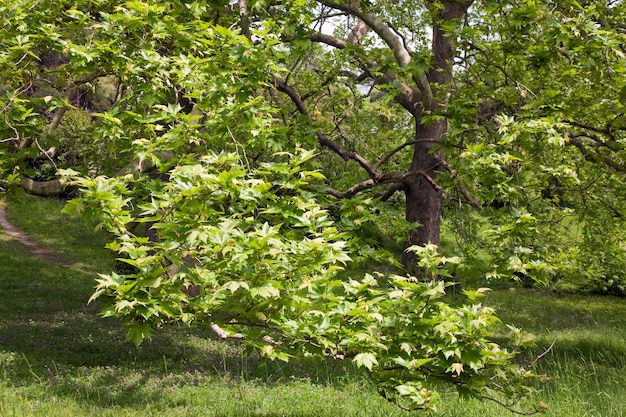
423	196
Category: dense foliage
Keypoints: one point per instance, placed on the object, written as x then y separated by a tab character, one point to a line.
253	252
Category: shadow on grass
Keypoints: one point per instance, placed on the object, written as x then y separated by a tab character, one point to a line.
51	337
589	327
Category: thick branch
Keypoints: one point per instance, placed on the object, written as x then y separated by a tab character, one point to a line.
403	57
597	140
391	178
406	96
596	156
395	43
321	137
56	119
328	40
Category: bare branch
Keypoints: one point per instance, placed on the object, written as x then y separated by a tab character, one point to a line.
598	141
356	77
56	119
395	43
403	57
588	127
406	96
596	156
328	40
390	192
17	134
472	201
399	148
293	95
511	409
391	178
543	354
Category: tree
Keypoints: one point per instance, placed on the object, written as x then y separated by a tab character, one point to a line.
210	196
493	93
214	203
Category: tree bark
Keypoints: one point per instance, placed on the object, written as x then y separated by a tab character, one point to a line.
423	197
43	188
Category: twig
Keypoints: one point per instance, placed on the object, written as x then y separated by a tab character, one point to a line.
543	354
399	148
511	409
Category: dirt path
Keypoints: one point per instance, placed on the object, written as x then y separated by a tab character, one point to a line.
32	247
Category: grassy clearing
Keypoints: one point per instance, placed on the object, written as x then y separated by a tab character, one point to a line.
58	358
71	237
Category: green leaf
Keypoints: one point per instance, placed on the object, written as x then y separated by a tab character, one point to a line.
367	360
137	333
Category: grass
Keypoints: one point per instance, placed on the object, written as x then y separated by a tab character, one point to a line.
58	358
71	237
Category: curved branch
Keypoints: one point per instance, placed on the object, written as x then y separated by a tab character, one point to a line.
395	43
471	200
596	156
399	148
510	408
598	141
407	97
391	178
328	40
321	137
402	55
390	192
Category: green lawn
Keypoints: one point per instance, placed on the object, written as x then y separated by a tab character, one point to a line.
58	358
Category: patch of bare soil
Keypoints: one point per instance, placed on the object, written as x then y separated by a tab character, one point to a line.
32	247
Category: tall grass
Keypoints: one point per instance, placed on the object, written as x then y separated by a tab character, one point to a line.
58	358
